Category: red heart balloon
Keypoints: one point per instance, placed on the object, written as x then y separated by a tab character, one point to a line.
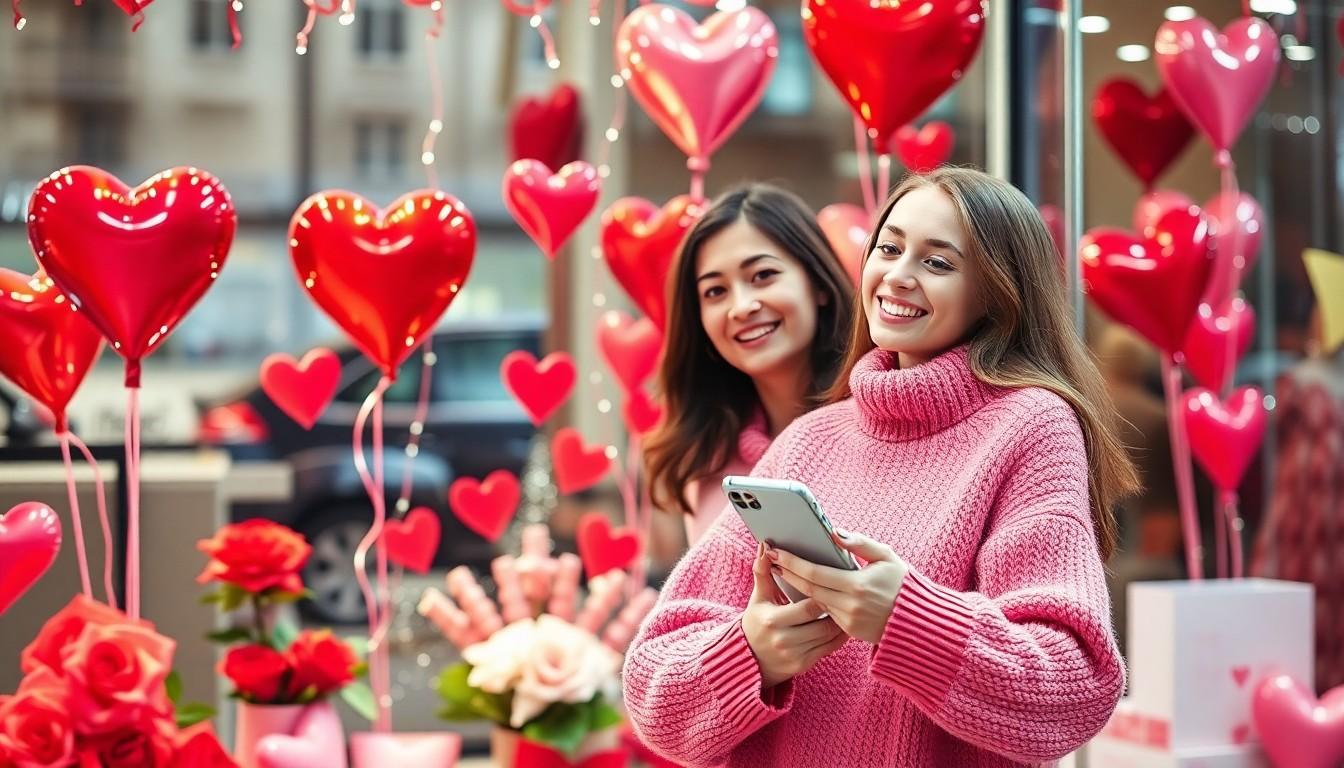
577	466
1296	729
1147	132
603	549
924	149
413	541
1224	436
640	412
540	388
630	347
640	242
548	130
1235	222
385	277
134	260
549	207
132	7
30	538
847	227
49	347
486	507
1205	347
890	61
1152	284
1155	204
303	389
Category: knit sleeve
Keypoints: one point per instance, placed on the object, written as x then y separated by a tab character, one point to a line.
1026	665
692	684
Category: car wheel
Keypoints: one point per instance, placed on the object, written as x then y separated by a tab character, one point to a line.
335	534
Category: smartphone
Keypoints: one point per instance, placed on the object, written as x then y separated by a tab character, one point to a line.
787	515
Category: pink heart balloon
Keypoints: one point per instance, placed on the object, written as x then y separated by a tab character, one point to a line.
1218	78
1153	205
1235	223
630	347
697	82
318	742
549	207
1205	348
412	750
1224	436
1296	730
30	538
847	228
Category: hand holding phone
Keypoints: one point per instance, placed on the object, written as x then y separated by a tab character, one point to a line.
787	638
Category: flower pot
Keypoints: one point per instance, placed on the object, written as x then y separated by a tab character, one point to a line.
255	722
405	750
504	745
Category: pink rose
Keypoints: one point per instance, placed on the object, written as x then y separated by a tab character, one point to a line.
116	676
567	664
35	726
63	629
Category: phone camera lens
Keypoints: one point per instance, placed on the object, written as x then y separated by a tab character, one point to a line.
755	504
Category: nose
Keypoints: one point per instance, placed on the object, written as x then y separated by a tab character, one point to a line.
899	277
743	306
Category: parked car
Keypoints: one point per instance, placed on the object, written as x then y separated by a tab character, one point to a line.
472	428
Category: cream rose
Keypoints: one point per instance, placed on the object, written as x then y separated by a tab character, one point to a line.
497	662
567	664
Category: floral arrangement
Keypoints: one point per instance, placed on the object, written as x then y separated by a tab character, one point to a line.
98	692
539	661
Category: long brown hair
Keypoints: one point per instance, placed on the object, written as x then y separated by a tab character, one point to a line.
1027	338
707	401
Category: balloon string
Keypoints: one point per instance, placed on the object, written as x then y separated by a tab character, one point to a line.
548	42
625	480
233	25
865	168
1227	501
883	178
618	109
85	583
1236	263
1220	541
133	503
373	486
436	99
1180	458
108	554
697	185
428	359
595	12
19	21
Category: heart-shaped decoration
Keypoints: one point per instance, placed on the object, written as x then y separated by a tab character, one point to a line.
697	82
486	507
318	741
132	7
413	541
539	387
1240	674
1147	132
134	261
890	61
1205	348
640	412
630	347
302	389
1235	222
1155	204
577	466
412	750
385	277
30	538
603	549
48	347
1153	284
1240	734
549	207
1218	78
1224	436
847	227
925	148
1296	729
548	130
640	242
532	754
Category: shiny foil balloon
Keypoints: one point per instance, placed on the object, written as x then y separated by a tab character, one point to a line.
1146	132
697	82
549	207
1225	435
548	129
135	261
892	60
1236	222
640	242
1152	206
384	276
46	347
924	149
846	227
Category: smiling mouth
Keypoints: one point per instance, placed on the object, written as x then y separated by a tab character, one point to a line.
900	310
756	332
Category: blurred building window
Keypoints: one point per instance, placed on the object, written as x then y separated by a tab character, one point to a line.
210	25
790	89
382	30
379	147
97	134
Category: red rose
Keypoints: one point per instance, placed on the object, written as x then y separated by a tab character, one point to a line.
197	747
149	747
116	675
321	662
63	629
256	555
35	724
258	672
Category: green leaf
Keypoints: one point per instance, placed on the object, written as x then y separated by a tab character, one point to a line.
231	635
232	597
452	684
359	645
283	635
360	698
494	707
212	597
173	683
193	713
562	726
602	715
277	597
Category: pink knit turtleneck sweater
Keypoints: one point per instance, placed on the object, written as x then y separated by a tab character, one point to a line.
705	494
999	650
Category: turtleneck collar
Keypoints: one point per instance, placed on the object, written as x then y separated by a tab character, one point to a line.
754	438
896	404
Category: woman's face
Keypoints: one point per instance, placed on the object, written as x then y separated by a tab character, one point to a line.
757	303
919	287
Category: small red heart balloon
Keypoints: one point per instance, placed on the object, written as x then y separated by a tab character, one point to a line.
548	130
847	227
486	507
630	347
1206	343
1155	204
640	412
1147	132
890	61
577	466
640	241
1235	223
1224	436
1153	284
132	7
135	261
48	347
412	542
603	549
30	538
1296	729
385	277
302	389
925	148
549	207
539	387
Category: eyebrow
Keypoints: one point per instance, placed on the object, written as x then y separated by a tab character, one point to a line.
746	263
935	242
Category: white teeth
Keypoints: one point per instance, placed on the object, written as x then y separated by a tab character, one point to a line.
757	333
892	308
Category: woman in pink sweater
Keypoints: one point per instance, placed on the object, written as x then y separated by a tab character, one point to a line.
971	461
759	315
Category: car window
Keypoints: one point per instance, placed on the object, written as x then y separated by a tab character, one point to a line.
406	388
467	370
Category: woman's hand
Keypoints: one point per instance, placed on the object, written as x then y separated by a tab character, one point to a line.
787	638
861	601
